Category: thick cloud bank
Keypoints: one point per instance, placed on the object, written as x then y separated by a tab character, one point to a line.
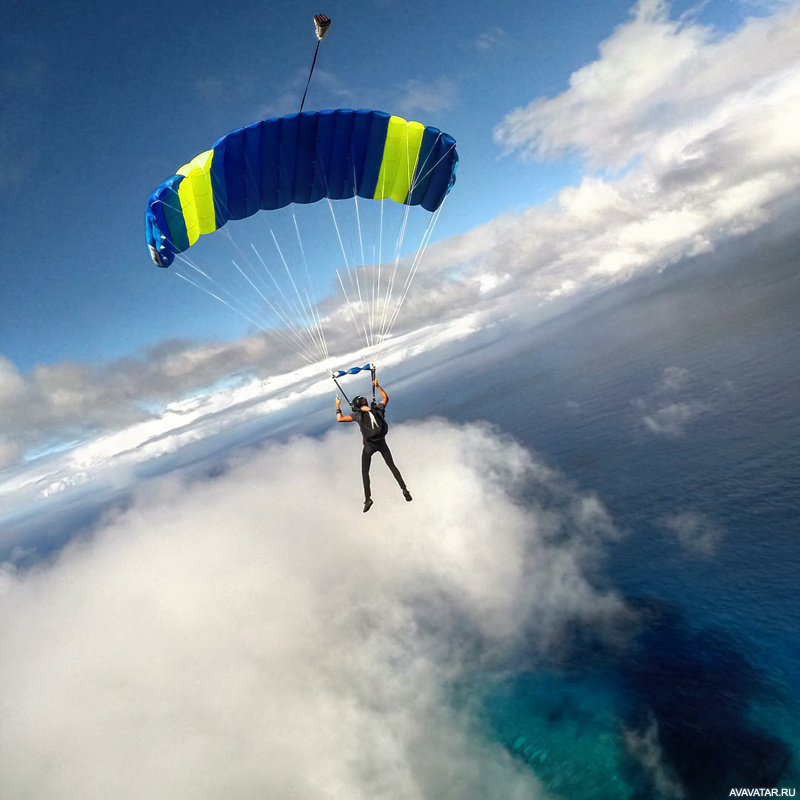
256	635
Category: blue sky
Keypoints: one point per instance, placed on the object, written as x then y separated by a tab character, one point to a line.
596	142
107	101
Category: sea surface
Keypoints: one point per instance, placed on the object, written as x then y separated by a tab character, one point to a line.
676	399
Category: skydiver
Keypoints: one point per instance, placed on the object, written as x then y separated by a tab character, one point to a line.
372	421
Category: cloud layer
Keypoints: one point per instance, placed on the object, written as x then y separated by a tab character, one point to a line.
695	531
663	88
230	638
678	401
69	400
702	127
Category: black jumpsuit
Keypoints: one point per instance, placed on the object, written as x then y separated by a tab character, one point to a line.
375	444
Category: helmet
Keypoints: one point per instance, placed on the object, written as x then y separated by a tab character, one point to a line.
358	402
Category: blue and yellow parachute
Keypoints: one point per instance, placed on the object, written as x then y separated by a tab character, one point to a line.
299	158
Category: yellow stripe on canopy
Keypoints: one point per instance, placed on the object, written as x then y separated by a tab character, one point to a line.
400	153
197	196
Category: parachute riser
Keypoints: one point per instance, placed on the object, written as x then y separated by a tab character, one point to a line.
373	370
340	390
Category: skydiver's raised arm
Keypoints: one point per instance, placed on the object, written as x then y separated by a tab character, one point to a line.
339	416
384	396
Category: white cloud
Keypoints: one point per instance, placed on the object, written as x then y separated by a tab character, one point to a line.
659	86
284	97
703	125
119	436
492	39
230	638
427	97
412	97
644	746
11	383
72	401
672	419
674	379
671	407
695	531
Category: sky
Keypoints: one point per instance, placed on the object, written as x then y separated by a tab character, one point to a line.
595	143
598	143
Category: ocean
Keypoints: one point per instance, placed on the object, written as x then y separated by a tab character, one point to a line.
675	398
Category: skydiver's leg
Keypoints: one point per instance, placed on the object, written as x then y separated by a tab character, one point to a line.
366	458
387	457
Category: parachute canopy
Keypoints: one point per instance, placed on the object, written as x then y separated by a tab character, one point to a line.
299	158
